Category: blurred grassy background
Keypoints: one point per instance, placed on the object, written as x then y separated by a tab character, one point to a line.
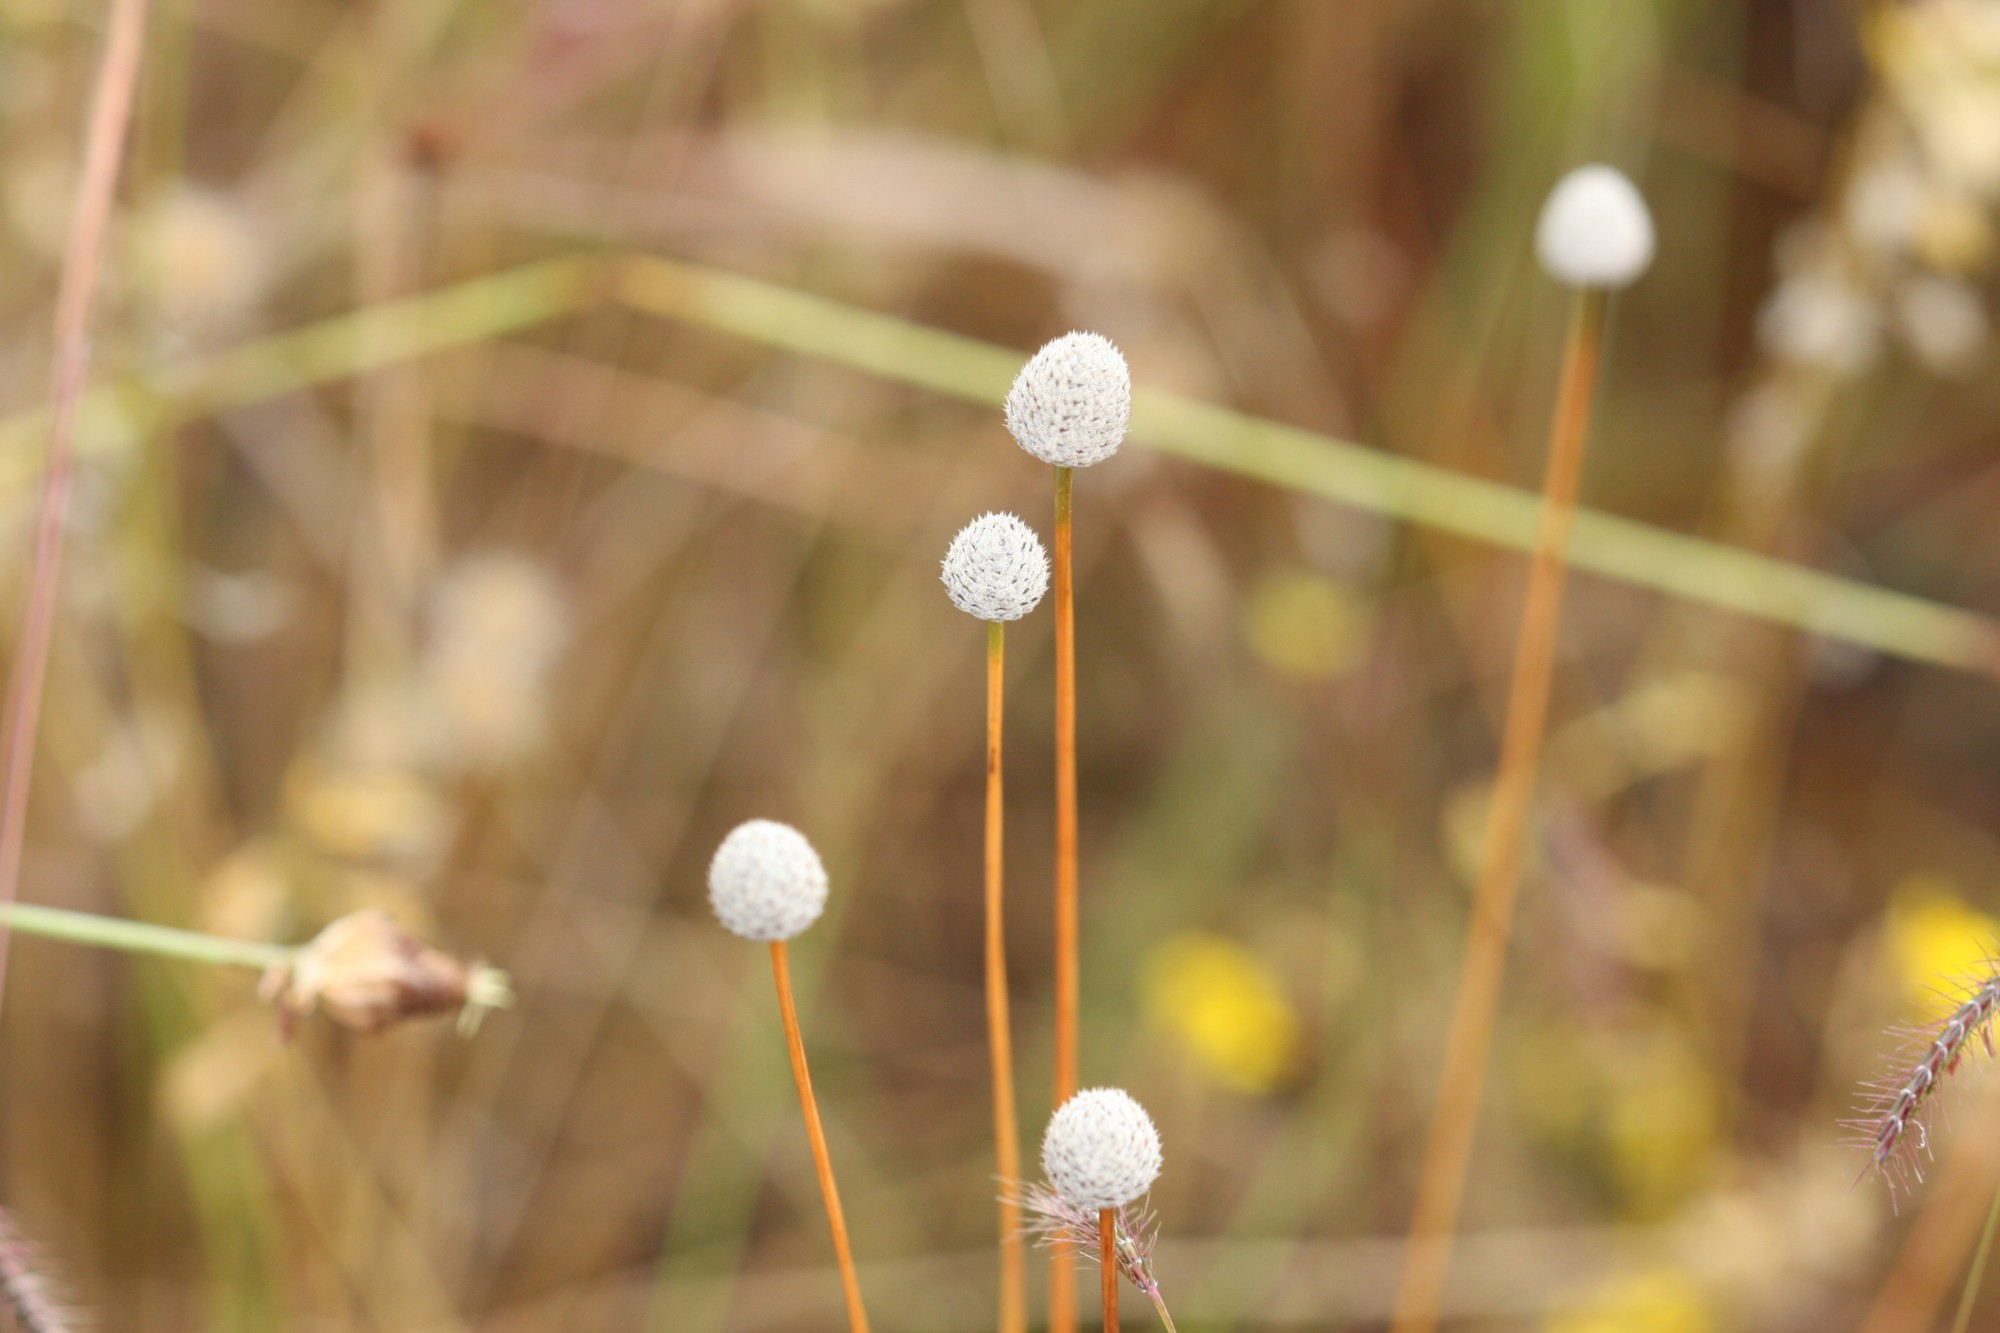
505	636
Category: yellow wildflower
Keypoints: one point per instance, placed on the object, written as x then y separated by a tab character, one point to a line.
1304	625
1935	938
1661	1300
1224	1008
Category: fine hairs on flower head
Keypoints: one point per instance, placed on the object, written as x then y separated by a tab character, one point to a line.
1101	1149
1070	404
995	568
766	882
1595	230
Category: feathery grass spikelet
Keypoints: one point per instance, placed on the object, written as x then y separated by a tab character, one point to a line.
1892	1125
1071	403
1052	1218
766	881
27	1291
1101	1149
1595	230
995	568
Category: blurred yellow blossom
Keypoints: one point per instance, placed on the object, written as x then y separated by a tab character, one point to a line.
1223	1006
1936	939
1639	1103
1662	1120
366	813
1660	1300
1304	625
1462	826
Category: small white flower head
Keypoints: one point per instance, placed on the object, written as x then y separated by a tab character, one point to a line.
1070	404
766	881
1595	230
1101	1149
995	568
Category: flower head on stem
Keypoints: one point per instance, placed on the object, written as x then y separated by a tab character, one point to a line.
996	568
1071	403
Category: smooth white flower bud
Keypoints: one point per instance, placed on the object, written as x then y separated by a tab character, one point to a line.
995	568
1101	1150
766	881
1070	404
1595	230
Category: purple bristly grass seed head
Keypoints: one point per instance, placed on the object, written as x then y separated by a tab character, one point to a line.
1054	1219
27	1292
1892	1124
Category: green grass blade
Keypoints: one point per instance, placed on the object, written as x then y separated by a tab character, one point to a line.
1302	460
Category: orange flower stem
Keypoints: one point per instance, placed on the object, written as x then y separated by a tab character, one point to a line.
104	149
1468	1038
1000	1037
1107	1264
1062	1274
781	968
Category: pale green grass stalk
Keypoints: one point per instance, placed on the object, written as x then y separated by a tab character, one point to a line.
469	313
1975	1277
107	932
1302	460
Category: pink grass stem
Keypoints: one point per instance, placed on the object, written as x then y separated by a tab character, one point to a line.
110	111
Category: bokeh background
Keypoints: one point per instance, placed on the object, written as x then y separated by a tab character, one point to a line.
499	611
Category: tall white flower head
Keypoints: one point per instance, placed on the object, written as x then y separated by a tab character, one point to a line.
1070	404
995	568
1101	1149
1595	229
766	881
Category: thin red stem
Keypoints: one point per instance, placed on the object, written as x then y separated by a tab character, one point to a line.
110	111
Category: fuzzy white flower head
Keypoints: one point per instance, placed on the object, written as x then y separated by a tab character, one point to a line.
1101	1149
995	568
766	881
1595	230
1070	404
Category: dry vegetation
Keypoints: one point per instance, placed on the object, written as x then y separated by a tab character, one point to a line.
498	479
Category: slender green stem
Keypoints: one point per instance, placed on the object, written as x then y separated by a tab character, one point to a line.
110	932
491	307
1976	1276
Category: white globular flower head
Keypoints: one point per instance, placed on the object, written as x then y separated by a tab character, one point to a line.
1070	404
766	881
1101	1150
995	568
1595	229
